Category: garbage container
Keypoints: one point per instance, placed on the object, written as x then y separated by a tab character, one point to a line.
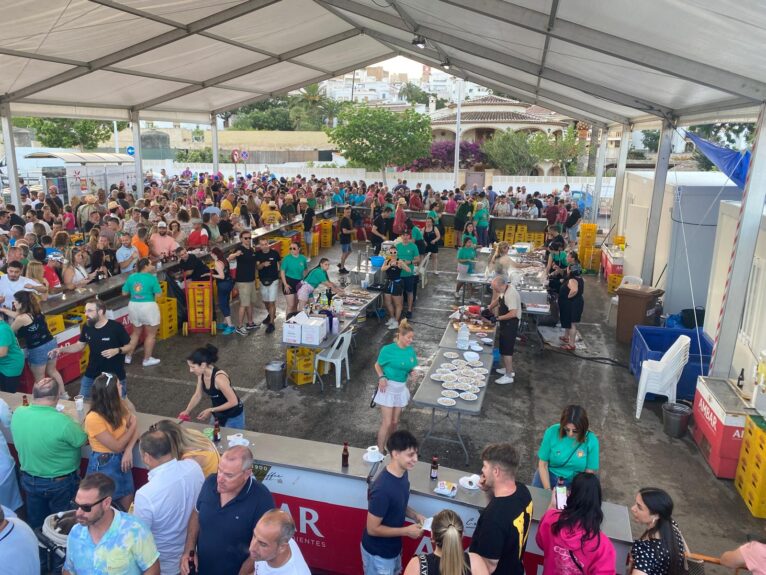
675	419
276	372
636	306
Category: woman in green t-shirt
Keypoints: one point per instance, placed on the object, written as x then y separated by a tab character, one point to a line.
315	278
292	270
143	311
481	219
395	362
568	448
469	232
466	258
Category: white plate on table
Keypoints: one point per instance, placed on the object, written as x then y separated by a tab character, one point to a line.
448	377
437	376
459	362
476	363
476	347
352	307
451	394
465	380
463	386
474	389
448	366
480	383
449	385
446	401
481	371
468	396
487	340
471	356
451	354
481	334
469	482
443	370
373	456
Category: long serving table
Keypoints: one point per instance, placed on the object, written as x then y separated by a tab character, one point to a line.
429	392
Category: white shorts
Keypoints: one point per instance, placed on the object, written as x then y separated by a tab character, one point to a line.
144	313
305	291
396	395
269	292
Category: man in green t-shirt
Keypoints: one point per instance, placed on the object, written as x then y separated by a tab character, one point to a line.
407	252
48	444
11	359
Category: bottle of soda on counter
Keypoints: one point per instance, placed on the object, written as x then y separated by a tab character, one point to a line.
217	432
24	401
561	494
192	567
434	468
344	455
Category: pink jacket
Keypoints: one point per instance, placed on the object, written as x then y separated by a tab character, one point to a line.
598	557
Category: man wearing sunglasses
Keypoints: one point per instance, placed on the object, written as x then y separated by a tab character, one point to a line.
106	540
244	255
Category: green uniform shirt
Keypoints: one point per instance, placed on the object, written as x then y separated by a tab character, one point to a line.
434	216
294	266
560	259
417	233
142	287
13	363
408	254
48	442
311	202
557	450
316	277
393	209
481	218
472	236
466	254
397	362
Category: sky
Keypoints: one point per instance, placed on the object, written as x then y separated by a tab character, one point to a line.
401	64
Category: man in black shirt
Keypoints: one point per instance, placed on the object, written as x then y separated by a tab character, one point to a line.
191	263
346	230
225	227
572	224
308	225
244	255
379	230
267	262
500	537
108	341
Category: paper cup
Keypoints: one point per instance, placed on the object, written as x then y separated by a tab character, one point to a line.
79	402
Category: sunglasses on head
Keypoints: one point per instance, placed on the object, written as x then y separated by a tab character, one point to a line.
87	507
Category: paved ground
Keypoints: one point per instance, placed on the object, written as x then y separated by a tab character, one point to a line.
634	453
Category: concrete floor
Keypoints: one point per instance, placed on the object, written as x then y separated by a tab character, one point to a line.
634	454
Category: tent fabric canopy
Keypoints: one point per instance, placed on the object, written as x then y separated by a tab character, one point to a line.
733	163
605	62
85	157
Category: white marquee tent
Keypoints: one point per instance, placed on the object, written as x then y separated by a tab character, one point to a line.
608	62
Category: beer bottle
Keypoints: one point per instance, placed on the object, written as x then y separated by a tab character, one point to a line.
344	455
217	431
24	400
434	468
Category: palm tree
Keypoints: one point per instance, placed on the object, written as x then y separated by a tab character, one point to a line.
306	108
410	92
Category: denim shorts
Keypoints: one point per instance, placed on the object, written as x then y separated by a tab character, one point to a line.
308	237
109	464
376	565
39	355
86	384
345	248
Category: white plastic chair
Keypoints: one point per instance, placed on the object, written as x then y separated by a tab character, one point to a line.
661	377
336	355
633	280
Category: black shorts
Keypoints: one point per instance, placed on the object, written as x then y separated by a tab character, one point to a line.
9	384
394	287
293	283
408	283
432	249
507	335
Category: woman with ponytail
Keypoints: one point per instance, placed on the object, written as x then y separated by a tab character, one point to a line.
661	548
448	557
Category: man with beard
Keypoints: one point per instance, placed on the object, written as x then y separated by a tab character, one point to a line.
109	342
106	540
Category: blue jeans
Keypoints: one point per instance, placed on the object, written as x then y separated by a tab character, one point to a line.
86	384
482	236
554	480
375	565
237	422
224	291
110	464
47	496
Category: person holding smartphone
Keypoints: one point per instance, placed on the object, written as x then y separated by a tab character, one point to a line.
393	296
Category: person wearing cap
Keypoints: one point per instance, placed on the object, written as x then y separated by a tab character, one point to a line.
198	237
210	208
161	243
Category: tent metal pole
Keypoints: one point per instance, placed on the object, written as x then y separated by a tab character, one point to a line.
136	126
658	195
619	180
742	255
458	129
10	155
214	141
600	163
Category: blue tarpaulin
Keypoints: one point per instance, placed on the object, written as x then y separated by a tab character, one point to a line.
731	162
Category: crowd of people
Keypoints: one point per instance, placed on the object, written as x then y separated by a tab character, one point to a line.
203	511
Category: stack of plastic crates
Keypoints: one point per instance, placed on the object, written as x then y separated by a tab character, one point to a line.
164	288
84	356
521	234
284	246
587	235
499	235
55	323
537	238
168	317
449	237
315	245
326	234
300	365
590	258
613	282
750	479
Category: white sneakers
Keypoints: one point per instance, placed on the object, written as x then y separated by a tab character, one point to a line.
505	380
128	359
501	371
151	361
391	323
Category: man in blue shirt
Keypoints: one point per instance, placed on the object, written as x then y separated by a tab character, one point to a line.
388	507
229	505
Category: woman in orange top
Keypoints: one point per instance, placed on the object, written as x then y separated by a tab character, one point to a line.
187	443
139	241
112	431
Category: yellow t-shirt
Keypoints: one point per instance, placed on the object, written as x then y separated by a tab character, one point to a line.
95	424
208	460
226	205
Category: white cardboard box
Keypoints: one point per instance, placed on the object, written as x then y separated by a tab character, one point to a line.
291	333
313	331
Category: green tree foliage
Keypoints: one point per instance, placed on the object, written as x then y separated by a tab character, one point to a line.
376	138
651	139
202	156
511	152
269	119
413	94
68	133
307	108
562	151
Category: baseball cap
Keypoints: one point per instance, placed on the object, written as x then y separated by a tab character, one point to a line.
162	224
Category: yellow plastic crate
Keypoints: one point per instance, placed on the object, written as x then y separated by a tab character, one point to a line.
537	238
589	228
614	282
168	317
84	356
55	323
315	245
520	237
449	237
164	286
510	231
521	228
300	365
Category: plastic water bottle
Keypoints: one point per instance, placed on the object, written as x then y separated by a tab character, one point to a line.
463	336
561	494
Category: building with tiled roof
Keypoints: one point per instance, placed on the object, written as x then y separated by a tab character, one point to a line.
482	117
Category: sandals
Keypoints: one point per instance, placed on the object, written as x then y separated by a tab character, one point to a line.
568	347
564	338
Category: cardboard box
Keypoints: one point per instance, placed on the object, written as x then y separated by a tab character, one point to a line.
291	333
314	331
